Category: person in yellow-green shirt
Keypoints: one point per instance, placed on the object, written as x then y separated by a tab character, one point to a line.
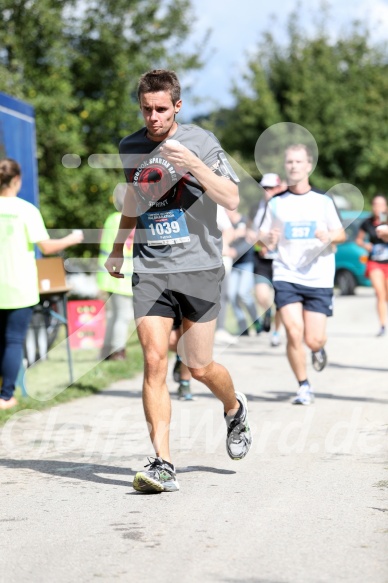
21	226
119	304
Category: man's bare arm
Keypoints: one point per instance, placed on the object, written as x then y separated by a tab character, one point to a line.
128	221
220	189
269	239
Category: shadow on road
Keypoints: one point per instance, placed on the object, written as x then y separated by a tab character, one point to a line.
89	472
355	366
188	469
284	396
346	398
78	471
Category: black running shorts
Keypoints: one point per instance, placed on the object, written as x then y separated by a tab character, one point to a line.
262	268
193	295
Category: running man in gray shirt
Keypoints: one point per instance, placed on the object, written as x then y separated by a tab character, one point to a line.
176	175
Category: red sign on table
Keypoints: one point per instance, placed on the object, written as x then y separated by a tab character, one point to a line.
86	322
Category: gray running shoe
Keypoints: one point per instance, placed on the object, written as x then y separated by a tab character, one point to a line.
239	437
319	359
159	477
184	393
304	396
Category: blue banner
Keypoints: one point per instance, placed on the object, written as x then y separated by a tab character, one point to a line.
18	141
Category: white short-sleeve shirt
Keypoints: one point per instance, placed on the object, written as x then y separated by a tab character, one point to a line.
302	257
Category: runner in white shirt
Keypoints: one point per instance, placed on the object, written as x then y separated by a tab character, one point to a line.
303	223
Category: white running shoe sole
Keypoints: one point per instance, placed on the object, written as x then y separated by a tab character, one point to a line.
145	484
303	399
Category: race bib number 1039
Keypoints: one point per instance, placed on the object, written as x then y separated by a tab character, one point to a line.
166	227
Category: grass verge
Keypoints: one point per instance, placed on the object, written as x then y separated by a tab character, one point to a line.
47	382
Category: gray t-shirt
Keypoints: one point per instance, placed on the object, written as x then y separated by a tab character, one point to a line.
176	225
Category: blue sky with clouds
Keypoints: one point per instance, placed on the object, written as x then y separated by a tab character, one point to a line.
237	27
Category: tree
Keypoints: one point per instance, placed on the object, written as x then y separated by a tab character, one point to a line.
335	88
78	63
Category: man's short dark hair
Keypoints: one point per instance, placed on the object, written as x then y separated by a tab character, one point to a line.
160	80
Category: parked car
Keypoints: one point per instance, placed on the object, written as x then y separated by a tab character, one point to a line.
350	259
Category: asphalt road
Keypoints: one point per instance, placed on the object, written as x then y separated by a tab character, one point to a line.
309	503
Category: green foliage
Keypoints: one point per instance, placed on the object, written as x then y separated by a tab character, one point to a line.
77	63
337	89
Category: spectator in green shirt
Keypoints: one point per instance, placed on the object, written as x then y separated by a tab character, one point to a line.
21	226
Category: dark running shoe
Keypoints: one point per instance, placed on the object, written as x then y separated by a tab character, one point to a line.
244	333
176	372
239	438
160	477
319	359
267	321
